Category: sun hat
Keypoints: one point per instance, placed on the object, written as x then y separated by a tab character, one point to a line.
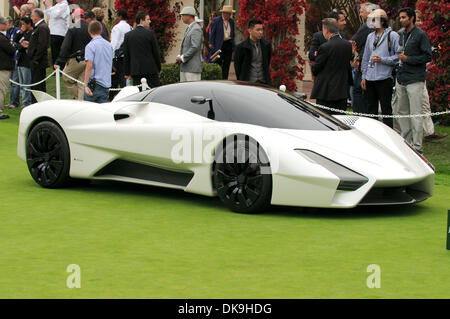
228	9
188	11
378	13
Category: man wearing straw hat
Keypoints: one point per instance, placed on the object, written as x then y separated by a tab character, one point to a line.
222	38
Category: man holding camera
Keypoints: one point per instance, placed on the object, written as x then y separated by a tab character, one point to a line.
72	54
98	57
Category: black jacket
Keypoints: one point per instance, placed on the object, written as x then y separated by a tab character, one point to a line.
22	57
418	51
360	38
332	70
37	49
6	54
243	60
317	40
141	52
76	39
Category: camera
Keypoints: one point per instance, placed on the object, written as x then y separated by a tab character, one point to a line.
78	55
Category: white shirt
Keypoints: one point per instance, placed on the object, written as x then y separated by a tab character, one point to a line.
118	34
58	15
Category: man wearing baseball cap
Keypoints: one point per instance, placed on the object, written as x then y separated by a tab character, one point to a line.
6	64
190	57
72	54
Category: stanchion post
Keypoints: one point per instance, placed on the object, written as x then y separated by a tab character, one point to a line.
144	84
58	84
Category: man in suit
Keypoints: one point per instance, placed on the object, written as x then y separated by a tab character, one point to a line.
222	38
37	50
332	68
6	64
142	58
190	58
252	56
319	39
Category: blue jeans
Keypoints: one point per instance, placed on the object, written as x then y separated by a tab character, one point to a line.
15	89
359	101
99	95
25	78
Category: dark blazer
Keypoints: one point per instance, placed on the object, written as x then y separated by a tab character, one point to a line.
216	35
6	54
332	70
243	59
317	40
76	39
37	49
141	52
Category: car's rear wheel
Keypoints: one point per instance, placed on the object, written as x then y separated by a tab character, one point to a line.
48	155
241	175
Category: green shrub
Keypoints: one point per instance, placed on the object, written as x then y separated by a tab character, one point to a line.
171	73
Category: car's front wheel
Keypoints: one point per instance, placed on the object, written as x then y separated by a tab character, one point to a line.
241	175
48	155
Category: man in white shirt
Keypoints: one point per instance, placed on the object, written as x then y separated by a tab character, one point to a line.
117	36
57	24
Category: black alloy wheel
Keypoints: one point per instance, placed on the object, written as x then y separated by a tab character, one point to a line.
48	155
241	175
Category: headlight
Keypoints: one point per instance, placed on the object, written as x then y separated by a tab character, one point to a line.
349	180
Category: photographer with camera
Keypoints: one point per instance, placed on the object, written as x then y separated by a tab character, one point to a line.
72	54
98	57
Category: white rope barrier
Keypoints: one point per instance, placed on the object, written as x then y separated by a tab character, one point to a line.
146	87
33	84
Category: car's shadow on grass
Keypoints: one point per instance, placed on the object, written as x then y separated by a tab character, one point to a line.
180	197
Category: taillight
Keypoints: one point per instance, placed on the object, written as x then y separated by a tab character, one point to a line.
421	156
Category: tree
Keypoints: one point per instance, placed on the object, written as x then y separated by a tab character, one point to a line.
436	25
281	21
162	16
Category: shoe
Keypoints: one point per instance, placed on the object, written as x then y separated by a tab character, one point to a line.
4	117
12	106
434	136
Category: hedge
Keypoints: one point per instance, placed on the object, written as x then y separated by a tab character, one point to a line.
171	73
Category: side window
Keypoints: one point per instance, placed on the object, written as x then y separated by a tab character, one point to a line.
178	97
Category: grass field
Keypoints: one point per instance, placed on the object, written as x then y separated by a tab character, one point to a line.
143	242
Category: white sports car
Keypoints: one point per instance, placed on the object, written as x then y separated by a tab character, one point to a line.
250	145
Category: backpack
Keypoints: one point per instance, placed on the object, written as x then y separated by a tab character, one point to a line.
394	69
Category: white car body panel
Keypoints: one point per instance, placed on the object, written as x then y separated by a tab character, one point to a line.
150	134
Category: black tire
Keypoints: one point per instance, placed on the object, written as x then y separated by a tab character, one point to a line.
242	176
48	155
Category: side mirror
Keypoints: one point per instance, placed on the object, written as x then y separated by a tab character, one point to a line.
301	96
203	100
199	99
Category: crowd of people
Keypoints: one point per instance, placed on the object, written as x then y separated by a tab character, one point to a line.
378	68
364	68
94	61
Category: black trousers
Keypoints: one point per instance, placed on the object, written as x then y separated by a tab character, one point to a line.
339	104
380	91
55	46
225	58
37	74
152	79
117	80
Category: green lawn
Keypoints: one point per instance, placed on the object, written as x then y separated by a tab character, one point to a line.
135	241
